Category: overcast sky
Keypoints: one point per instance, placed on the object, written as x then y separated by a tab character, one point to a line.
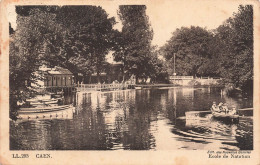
166	16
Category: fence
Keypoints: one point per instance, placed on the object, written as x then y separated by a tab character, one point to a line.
100	87
180	77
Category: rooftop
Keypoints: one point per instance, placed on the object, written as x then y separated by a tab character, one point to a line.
55	70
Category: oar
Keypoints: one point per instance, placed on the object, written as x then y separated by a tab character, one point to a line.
245	109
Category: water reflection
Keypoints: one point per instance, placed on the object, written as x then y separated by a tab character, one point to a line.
137	120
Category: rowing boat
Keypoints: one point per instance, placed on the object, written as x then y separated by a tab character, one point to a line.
225	116
45	109
44	102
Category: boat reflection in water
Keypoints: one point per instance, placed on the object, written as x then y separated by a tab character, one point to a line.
146	119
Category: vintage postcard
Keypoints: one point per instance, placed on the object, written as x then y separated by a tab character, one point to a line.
130	82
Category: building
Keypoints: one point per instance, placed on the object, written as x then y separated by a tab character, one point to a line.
112	73
54	77
58	77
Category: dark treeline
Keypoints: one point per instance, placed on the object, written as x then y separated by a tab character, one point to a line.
225	52
80	37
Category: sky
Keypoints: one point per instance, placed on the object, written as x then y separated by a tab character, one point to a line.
166	16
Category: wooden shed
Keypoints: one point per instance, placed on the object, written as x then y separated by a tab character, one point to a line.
58	77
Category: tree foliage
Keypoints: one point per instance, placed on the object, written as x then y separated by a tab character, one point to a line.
236	53
134	42
226	51
74	37
87	40
191	49
34	42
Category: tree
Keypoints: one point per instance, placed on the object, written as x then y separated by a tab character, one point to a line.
35	42
75	37
88	37
134	42
226	51
236	53
158	69
191	49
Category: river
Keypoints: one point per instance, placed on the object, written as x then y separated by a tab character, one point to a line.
146	119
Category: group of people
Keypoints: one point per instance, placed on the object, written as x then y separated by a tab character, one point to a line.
223	108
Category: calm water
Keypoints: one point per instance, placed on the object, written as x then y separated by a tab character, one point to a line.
147	119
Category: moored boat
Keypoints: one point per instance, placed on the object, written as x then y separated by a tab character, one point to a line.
45	97
46	112
53	101
44	109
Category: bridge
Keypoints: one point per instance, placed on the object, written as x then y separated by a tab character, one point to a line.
190	80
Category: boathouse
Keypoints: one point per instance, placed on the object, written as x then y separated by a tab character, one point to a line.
56	77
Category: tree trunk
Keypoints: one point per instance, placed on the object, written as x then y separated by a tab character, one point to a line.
124	68
90	79
98	75
98	69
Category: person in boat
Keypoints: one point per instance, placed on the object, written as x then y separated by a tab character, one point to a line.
233	111
214	107
220	107
225	108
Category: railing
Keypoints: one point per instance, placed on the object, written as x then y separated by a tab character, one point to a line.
61	86
181	77
99	87
215	78
190	77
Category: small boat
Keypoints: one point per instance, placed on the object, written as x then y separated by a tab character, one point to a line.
60	93
225	116
53	101
32	100
44	109
53	112
36	103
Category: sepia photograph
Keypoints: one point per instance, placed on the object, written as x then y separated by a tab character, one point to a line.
147	76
